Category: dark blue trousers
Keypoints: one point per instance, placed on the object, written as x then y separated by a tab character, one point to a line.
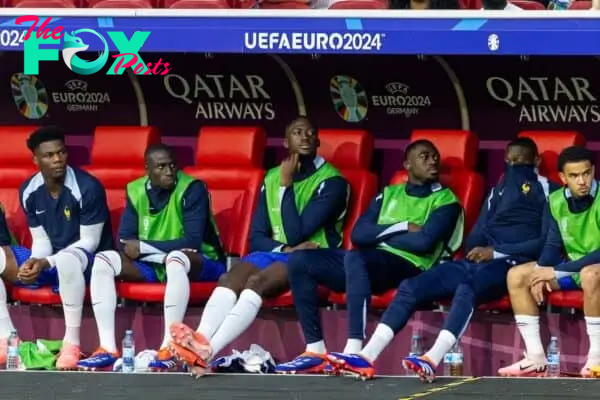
358	272
469	285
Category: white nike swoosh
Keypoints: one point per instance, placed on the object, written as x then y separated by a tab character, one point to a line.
39	212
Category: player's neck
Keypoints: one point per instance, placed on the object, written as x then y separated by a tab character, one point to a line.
54	185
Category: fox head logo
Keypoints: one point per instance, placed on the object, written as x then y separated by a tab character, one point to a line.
73	45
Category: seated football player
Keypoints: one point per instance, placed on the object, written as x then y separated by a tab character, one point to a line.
167	234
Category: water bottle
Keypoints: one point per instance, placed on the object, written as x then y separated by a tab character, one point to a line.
456	367
13	359
128	352
416	350
448	363
553	358
559	5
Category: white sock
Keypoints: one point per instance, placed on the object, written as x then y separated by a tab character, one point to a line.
529	327
70	265
107	265
593	331
217	307
353	346
316	347
6	325
177	291
381	338
442	345
237	321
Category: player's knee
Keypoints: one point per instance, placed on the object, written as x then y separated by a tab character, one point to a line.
257	283
354	260
107	263
177	264
518	277
590	278
298	264
70	262
408	291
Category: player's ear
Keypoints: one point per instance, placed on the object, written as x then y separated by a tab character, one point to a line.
35	160
286	144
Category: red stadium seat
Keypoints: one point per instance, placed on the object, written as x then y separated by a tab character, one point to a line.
346	149
198	4
115	165
351	152
228	160
122	4
528	5
45	4
566	299
581	5
43	295
550	144
16	165
297	5
359	5
458	148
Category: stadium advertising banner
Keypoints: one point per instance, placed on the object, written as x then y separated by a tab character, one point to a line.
388	95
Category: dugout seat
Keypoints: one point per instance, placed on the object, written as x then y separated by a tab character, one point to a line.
467	185
16	166
351	152
359	5
550	144
117	158
528	5
581	5
566	299
458	148
228	160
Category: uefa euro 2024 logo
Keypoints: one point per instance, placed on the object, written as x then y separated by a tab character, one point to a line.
73	44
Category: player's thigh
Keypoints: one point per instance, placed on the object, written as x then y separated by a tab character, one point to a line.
14	257
518	276
140	271
204	269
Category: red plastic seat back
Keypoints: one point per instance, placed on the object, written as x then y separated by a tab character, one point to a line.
346	149
458	148
229	161
468	186
528	5
363	186
550	144
244	145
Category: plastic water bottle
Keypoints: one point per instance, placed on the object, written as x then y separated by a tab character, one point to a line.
559	5
553	358
456	367
416	349
128	352
448	363
13	360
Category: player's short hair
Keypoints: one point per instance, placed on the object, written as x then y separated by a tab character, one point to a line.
288	127
43	135
417	143
157	147
526	144
575	154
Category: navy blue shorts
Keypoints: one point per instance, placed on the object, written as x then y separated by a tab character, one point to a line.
154	273
49	276
262	259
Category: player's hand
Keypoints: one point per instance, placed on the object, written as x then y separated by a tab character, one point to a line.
287	169
541	274
131	248
481	254
539	290
31	269
414	227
